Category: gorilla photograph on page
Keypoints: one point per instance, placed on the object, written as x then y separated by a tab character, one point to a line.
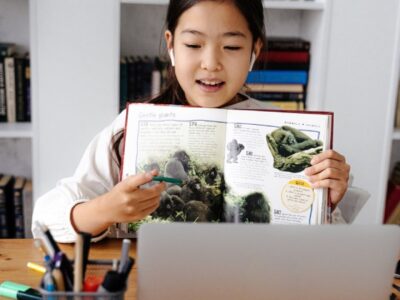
201	196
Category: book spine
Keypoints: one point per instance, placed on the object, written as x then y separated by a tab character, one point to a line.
28	107
10	88
18	213
3	215
284	77
268	65
20	89
277	96
27	207
3	100
289	45
285	56
123	85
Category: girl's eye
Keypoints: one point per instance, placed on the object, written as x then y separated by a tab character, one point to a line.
193	46
232	48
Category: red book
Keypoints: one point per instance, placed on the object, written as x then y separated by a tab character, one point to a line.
285	56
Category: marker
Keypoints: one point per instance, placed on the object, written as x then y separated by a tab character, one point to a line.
36	267
19	291
168	179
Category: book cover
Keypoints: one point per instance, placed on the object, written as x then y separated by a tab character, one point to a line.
6	207
18	206
236	165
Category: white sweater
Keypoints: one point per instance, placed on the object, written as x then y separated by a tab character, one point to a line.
96	174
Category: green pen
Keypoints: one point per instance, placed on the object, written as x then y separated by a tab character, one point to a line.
168	179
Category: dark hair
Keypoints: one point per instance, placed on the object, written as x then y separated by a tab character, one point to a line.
253	12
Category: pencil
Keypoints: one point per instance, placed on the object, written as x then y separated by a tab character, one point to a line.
36	267
168	179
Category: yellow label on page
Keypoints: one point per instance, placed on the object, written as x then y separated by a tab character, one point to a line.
297	195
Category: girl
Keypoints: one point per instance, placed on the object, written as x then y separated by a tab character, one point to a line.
212	46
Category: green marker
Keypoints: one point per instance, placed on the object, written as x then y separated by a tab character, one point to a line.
15	290
168	179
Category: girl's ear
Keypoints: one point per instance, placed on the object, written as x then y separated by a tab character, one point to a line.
257	47
256	51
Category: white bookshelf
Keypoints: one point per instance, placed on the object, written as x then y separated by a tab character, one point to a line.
276	4
15	138
352	66
16	130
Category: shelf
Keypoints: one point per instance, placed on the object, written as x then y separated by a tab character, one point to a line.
273	4
396	134
15	130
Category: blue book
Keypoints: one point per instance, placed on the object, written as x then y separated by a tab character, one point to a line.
283	77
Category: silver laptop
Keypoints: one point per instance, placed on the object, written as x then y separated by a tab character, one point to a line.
184	261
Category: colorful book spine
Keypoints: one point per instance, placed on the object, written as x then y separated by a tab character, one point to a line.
272	76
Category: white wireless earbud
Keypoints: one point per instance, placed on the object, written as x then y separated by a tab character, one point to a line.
172	56
252	61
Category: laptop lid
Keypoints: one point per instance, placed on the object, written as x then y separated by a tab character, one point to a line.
183	261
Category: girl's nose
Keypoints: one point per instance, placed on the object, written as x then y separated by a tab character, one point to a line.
211	61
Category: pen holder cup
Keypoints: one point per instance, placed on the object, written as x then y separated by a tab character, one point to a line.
96	268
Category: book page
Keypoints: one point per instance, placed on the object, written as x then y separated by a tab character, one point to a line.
267	153
183	143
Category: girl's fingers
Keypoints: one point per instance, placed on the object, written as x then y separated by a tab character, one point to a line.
329	173
144	195
150	206
133	182
327	164
328	154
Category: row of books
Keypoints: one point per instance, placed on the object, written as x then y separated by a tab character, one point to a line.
280	75
392	208
15	206
141	77
15	96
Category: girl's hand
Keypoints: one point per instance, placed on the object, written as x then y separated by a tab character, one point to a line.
128	202
330	170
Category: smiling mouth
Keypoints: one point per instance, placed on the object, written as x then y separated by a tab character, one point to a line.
210	85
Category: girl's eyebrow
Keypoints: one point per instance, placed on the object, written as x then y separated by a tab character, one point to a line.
225	34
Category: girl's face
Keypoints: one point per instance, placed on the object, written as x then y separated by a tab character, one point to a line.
212	46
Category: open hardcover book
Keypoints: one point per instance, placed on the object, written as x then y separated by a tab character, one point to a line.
235	165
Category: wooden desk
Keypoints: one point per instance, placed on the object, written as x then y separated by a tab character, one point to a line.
15	253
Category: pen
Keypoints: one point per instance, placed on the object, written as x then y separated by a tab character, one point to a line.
36	267
126	244
87	237
78	263
168	179
15	290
